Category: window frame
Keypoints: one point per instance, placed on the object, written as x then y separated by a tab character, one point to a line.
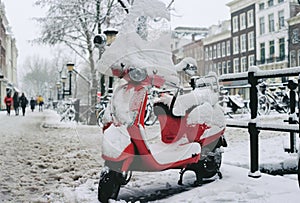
262	25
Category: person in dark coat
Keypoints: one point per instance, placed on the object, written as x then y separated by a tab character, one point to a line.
23	103
8	100
16	103
32	104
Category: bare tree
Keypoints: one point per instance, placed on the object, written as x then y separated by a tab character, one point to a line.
39	75
74	23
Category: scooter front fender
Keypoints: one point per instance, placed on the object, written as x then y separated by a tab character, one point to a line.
116	144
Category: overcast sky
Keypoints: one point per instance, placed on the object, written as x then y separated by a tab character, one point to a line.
198	13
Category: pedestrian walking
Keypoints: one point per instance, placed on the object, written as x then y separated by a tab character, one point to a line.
40	101
16	103
8	100
23	103
32	104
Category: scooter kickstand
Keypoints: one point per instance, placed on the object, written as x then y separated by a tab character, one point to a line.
182	171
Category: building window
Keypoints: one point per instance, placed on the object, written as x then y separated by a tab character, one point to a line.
281	19
220	68
206	53
261	6
224	67
251	60
243	42
281	49
228	51
236	65
271	23
229	68
236	45
261	25
242	21
218	50
293	62
235	24
262	53
210	53
270	3
280	1
214	67
250	18
223	49
295	36
214	51
244	64
299	57
251	40
271	49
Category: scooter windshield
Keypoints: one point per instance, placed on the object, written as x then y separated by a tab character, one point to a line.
144	41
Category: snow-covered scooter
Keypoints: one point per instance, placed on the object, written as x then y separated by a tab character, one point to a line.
189	135
191	128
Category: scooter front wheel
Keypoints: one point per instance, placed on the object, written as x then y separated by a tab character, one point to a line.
109	185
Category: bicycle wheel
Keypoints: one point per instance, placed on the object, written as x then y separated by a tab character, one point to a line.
100	118
263	107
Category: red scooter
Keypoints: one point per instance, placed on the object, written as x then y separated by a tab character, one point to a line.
191	128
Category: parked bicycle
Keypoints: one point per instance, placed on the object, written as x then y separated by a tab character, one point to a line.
269	98
67	111
232	104
100	108
153	96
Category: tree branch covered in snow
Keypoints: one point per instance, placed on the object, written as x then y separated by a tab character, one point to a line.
74	23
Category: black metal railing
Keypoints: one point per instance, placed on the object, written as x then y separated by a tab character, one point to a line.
253	76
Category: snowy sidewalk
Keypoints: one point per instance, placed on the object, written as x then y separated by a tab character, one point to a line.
45	160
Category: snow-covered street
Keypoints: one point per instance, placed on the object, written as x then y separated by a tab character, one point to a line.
44	160
39	159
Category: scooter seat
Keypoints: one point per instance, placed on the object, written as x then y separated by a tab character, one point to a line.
174	152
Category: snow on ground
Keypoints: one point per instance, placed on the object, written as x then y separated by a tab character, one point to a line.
45	160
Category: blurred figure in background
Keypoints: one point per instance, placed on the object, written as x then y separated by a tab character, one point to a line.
16	103
23	102
32	104
8	100
40	102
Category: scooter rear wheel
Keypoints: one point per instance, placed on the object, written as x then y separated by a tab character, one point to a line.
109	185
211	165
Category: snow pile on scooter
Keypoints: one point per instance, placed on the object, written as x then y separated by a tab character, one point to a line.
143	44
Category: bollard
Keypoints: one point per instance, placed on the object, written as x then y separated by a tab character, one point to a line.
252	128
292	86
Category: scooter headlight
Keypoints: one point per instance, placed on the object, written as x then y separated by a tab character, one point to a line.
137	74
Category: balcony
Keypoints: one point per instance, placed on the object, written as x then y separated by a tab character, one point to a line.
272	60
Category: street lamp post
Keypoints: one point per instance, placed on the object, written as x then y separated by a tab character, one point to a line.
100	41
63	80
58	88
50	92
110	37
70	67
